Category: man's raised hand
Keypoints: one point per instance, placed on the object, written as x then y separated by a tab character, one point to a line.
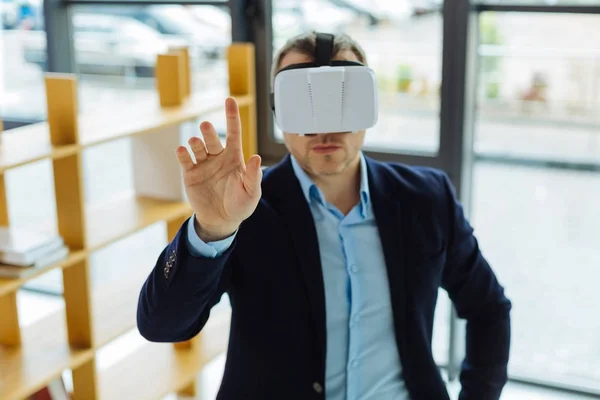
222	190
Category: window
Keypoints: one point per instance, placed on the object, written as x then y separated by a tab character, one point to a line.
403	46
537	184
116	48
22	95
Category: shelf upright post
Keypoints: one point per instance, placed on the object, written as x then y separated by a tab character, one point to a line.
10	333
62	111
242	82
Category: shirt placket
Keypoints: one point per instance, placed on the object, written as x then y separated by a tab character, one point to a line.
354	299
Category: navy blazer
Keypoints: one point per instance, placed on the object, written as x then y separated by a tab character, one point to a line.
277	340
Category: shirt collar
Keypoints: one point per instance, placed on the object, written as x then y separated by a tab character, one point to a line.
312	192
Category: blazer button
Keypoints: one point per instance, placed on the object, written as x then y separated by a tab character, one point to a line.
318	388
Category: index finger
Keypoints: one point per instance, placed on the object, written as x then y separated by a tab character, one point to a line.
233	139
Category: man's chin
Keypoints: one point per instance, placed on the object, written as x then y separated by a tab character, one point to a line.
328	168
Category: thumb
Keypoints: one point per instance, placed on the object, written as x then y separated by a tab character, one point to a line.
253	175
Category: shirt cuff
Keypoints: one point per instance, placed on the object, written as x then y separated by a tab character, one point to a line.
199	248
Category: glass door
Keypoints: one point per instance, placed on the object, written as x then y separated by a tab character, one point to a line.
536	186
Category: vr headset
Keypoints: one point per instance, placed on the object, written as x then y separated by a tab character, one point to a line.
325	96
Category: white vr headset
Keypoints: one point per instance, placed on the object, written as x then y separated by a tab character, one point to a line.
325	96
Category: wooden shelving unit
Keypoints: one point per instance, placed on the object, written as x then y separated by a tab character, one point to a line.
92	317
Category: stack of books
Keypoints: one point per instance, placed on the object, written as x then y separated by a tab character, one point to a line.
23	250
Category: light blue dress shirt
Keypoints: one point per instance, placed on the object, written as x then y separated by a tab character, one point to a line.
362	358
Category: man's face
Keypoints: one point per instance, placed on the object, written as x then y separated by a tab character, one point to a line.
323	154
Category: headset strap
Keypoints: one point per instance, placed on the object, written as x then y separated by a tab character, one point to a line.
324	49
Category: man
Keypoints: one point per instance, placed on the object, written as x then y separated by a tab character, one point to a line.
332	262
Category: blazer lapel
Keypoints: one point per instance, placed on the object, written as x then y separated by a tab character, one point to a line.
301	228
388	214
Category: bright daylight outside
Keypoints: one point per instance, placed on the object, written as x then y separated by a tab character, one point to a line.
536	180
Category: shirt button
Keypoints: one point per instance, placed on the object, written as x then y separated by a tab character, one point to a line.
354	268
318	388
354	364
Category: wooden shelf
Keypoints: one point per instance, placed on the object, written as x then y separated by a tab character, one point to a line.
33	356
114	220
42	357
29	144
147	116
107	223
10	285
45	353
115	304
161	368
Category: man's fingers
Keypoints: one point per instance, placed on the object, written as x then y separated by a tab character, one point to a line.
253	175
198	148
211	138
234	125
184	158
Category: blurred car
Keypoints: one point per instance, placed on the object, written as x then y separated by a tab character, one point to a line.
386	10
174	22
367	11
292	17
10	13
20	14
105	44
325	16
212	16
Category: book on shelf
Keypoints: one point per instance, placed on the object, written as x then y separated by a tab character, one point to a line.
23	251
19	271
25	247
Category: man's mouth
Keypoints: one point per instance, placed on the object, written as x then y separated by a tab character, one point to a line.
326	148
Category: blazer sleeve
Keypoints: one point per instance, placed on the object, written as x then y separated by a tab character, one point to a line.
175	300
479	298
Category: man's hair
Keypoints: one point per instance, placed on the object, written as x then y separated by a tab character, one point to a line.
306	44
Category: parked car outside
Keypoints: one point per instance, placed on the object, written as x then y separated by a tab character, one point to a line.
292	17
105	44
211	16
174	22
10	13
